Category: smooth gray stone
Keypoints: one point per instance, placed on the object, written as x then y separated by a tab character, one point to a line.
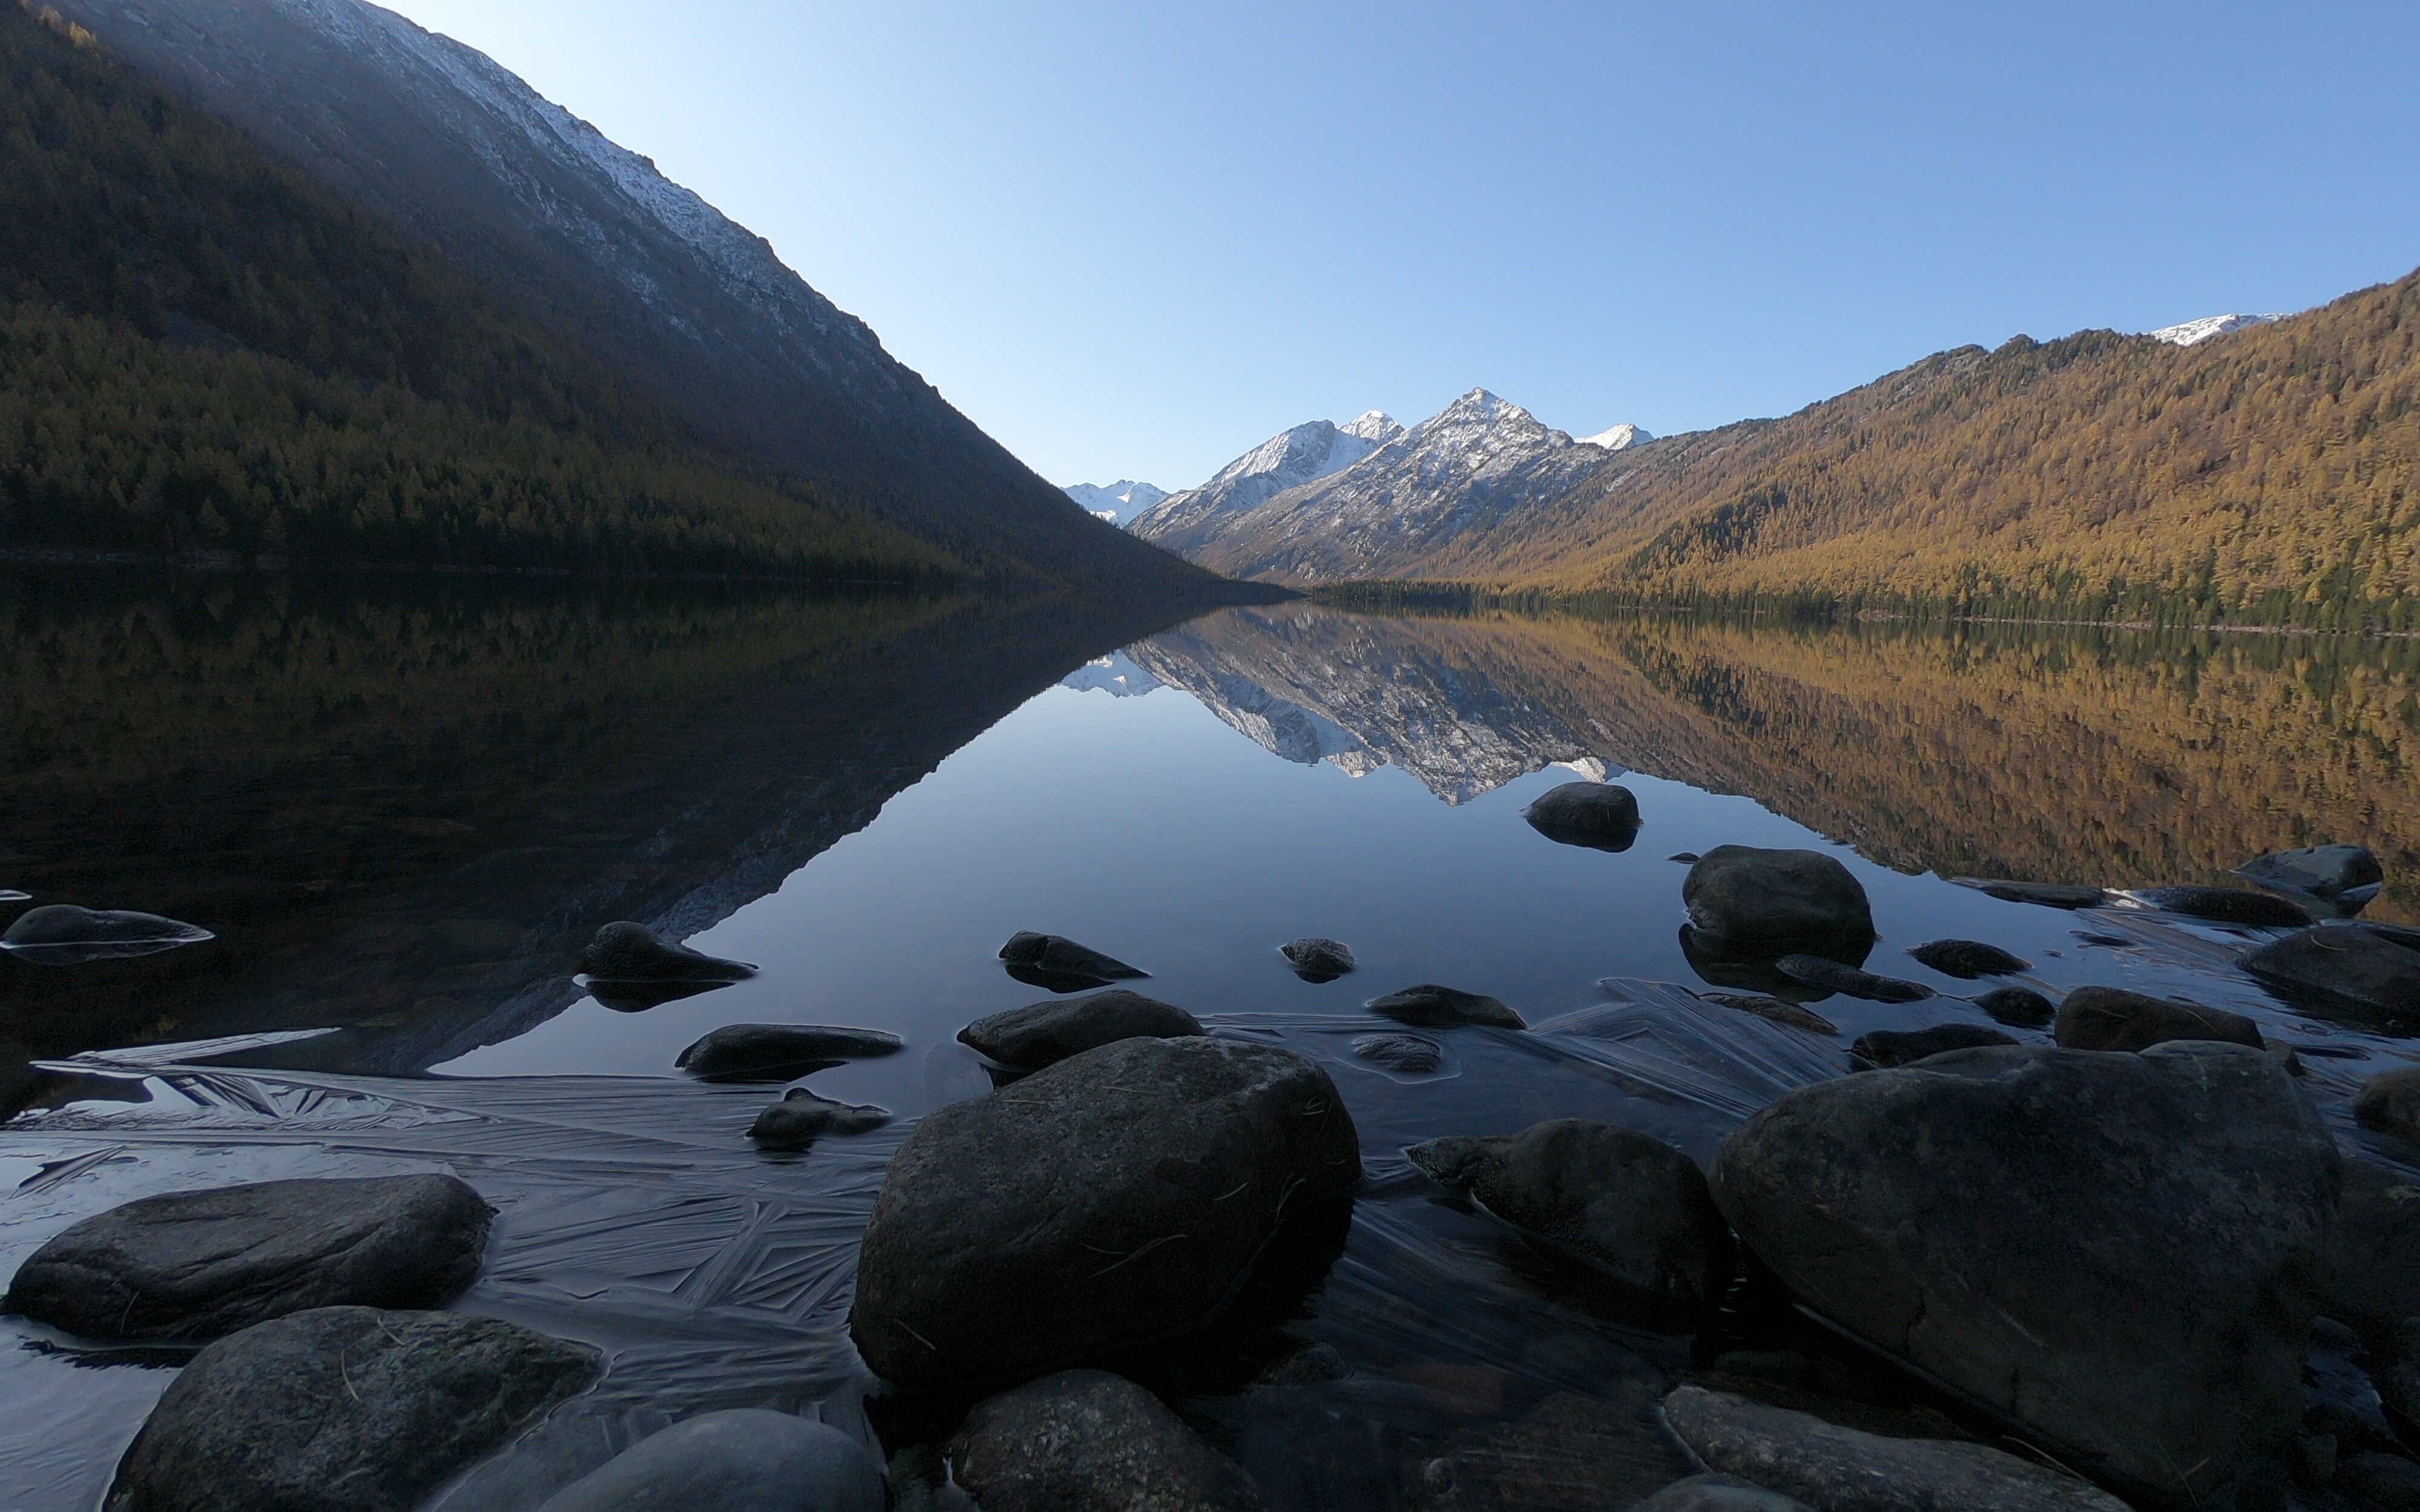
1430	1006
2044	894
803	1117
779	1052
2343	876
1898	1047
1602	816
63	935
194	1265
1115	1199
1968	959
1061	955
1625	1203
2348	968
1777	900
1043	1034
1817	971
342	1410
2022	1006
2123	1253
2390	1100
1317	959
2228	905
2112	1018
1718	1493
1833	1469
625	951
1406	1053
1086	1440
746	1459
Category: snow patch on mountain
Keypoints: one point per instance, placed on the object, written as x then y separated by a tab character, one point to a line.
2191	332
1616	439
1305	454
1118	502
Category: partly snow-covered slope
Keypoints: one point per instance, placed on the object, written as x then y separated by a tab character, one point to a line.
1118	502
1313	449
1616	439
2207	326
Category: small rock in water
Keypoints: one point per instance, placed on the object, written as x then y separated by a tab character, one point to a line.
1602	816
2391	1101
1897	1047
744	1459
2350	968
1043	1034
345	1408
194	1265
2112	1018
2046	894
1816	971
779	1052
2094	936
2228	905
1718	1493
801	1117
1684	857
1841	1469
1406	1053
625	951
1625	1203
2021	1007
1060	956
1789	1015
2345	878
1431	1006
1968	959
1777	900
1086	1440
63	935
1316	959
10	895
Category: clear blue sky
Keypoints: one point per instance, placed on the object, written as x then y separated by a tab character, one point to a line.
1132	239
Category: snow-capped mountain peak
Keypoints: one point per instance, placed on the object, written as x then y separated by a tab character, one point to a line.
2191	332
1617	437
1373	425
1303	454
1118	502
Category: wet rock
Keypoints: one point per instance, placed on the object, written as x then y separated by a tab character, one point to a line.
2045	894
627	953
1777	900
801	1117
1750	970
2379	1482
1085	1441
2345	878
1968	959
1841	1469
2345	967
63	935
1623	1202
1431	1006
194	1265
1601	816
746	1459
1114	1199
342	1410
2227	906
2390	1101
1406	1053
2021	1007
1684	857
2176	1209
1042	1034
2112	1018
780	1051
639	997
1898	1047
1789	1015
1570	1454
2374	1285
1315	959
1718	1493
1832	977
1057	953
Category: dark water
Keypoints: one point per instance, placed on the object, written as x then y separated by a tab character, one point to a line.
402	808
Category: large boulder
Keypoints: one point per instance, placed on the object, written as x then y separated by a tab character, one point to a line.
2122	1252
1117	1198
779	1052
1086	1440
1623	1202
2345	878
342	1410
1834	1469
2348	968
2112	1018
1602	816
194	1265
625	951
1043	1034
746	1459
1777	902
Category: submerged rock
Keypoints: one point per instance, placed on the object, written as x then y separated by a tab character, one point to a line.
1059	954
63	935
628	952
2227	906
1789	1015
1968	959
1832	977
2022	1006
1115	1199
1086	1440
1777	900
1623	1202
1568	1454
2122	1252
342	1408
1043	1034
1406	1053
2390	1100
1601	816
1841	1469
1315	959
1431	1006
2347	968
2045	894
2345	878
801	1117
779	1052
194	1265
745	1460
2112	1018
1898	1047
1718	1493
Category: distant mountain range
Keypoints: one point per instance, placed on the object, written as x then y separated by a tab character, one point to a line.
1117	502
